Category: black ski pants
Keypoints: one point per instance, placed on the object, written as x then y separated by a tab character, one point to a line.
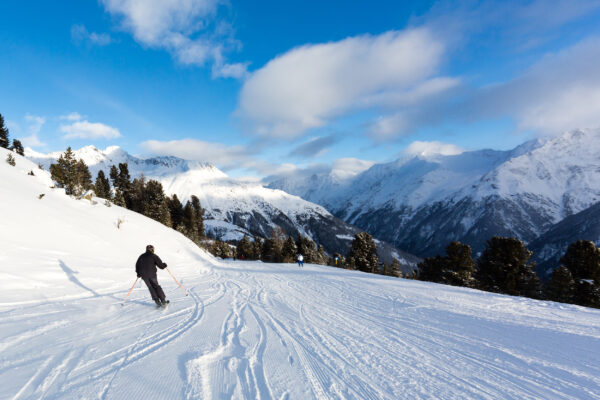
155	290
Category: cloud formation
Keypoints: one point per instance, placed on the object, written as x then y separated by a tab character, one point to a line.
560	92
83	129
188	29
310	86
34	126
80	34
219	154
314	147
419	148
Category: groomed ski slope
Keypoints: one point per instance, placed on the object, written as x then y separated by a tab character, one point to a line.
250	330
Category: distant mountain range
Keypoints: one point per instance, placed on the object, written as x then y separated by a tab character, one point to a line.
420	204
233	208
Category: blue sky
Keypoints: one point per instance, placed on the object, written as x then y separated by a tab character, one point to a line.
271	87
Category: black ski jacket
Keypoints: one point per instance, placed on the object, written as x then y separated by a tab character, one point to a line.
147	263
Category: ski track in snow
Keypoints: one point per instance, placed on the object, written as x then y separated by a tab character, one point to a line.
274	331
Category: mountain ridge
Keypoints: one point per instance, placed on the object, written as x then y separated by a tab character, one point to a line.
422	203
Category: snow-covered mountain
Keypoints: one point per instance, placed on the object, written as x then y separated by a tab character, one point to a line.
421	204
252	330
233	207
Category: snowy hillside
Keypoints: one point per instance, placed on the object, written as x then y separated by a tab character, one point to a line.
233	208
268	331
253	330
422	203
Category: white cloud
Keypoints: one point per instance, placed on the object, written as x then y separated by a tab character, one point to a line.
219	154
74	116
89	130
34	126
79	33
309	86
351	165
418	148
386	127
188	29
560	92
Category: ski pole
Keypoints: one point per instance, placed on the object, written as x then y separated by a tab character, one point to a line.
184	291
132	286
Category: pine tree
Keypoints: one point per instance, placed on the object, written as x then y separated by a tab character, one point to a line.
582	259
102	186
220	249
386	269
321	256
245	249
155	204
123	183
176	210
199	216
4	140
114	176
289	251
83	178
561	286
257	248
460	267
456	268
135	194
363	253
119	200
432	269
307	248
268	251
18	147
503	267
64	172
395	268
189	222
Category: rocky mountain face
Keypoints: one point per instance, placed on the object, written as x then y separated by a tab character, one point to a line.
423	203
233	207
552	245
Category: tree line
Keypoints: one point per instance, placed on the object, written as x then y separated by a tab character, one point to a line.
504	267
283	248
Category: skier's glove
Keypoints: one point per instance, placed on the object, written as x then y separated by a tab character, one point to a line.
139	276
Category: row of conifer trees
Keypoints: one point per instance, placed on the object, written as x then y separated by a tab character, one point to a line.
282	248
504	267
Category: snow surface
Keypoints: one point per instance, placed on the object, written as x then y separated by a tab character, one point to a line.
251	329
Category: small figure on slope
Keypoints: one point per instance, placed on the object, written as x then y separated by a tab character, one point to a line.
145	267
300	260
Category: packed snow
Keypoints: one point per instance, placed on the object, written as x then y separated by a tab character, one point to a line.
251	329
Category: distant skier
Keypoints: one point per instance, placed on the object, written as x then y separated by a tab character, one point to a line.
145	267
300	260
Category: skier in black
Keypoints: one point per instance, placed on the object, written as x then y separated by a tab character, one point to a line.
145	267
